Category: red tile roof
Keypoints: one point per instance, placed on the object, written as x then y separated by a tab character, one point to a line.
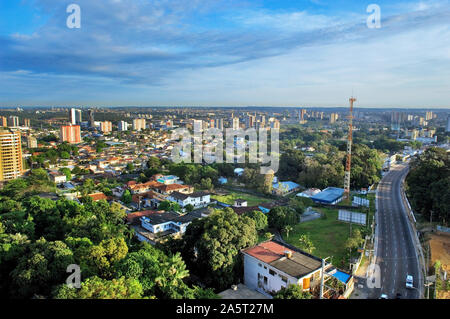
267	251
98	196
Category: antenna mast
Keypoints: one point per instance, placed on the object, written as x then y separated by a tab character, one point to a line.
348	165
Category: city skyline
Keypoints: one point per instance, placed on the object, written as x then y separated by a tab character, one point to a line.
225	53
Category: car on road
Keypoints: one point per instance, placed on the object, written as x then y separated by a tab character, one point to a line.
409	282
384	296
398	296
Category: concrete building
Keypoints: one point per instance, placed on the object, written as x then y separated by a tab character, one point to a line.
106	127
275	124
139	124
13	121
199	199
448	124
330	195
236	124
333	118
26	122
70	134
75	116
31	142
91	118
11	163
219	124
270	266
123	126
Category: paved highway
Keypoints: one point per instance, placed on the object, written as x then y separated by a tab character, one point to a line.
395	248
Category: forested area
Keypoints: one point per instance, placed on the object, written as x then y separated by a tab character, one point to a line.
428	185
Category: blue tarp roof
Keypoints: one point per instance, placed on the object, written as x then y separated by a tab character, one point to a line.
341	276
328	195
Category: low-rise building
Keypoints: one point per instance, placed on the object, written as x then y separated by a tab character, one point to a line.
271	265
198	199
330	196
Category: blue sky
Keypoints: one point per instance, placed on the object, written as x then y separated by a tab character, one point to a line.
225	52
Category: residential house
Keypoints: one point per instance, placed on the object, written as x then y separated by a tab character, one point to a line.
57	177
272	265
198	199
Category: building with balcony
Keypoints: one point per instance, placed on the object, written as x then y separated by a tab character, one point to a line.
11	162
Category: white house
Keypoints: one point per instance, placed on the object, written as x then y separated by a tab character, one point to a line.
58	177
166	222
198	199
271	265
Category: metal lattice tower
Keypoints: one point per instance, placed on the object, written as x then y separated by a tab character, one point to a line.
348	165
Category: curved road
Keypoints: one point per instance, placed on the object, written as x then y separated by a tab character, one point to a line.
395	249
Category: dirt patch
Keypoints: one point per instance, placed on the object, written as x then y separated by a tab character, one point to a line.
440	250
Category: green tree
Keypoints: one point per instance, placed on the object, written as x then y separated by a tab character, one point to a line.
126	197
306	244
66	171
280	216
292	292
213	245
41	267
260	219
98	288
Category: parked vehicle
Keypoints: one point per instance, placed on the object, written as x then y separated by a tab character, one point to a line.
409	282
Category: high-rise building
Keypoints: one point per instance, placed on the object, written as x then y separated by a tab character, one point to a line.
91	118
26	122
139	124
448	124
106	126
123	126
333	118
250	121
75	116
275	124
302	116
236	124
428	116
3	121
70	134
31	142
11	165
13	121
219	124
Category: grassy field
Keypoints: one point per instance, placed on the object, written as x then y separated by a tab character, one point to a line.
328	236
232	196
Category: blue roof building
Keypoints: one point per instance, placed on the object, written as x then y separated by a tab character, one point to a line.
330	196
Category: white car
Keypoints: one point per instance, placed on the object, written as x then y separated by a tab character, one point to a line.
409	282
384	296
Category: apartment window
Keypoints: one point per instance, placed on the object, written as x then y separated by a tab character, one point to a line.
284	279
273	273
259	264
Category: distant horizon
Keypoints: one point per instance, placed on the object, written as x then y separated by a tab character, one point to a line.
229	107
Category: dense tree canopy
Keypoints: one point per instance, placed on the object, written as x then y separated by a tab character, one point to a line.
213	245
428	184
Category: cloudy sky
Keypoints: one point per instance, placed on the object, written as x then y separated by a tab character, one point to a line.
225	53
